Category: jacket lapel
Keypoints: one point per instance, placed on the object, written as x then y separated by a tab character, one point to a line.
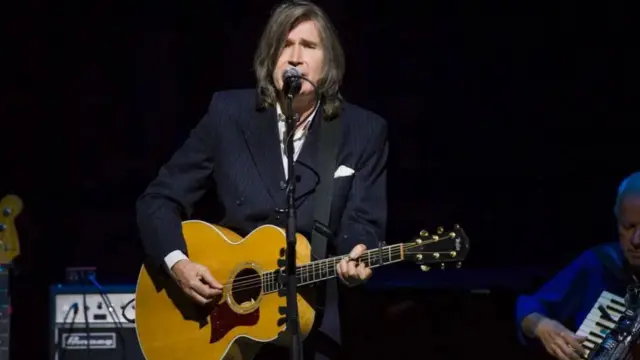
261	135
306	165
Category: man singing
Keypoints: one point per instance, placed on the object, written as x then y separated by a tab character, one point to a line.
239	148
571	294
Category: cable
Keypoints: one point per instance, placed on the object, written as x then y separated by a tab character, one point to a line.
59	340
86	324
111	311
124	308
301	197
315	108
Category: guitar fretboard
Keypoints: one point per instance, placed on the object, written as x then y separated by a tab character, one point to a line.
321	270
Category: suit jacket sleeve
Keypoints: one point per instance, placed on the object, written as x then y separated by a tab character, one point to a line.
365	216
170	197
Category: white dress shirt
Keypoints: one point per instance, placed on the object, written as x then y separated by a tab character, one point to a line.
298	140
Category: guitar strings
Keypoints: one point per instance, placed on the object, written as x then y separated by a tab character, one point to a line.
257	280
258	283
306	269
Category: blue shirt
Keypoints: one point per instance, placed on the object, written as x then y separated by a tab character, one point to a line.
570	295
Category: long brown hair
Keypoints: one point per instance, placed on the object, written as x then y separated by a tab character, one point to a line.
283	19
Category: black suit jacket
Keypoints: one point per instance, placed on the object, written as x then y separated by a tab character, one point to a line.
237	148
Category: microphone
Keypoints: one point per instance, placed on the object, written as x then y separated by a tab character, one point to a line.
291	81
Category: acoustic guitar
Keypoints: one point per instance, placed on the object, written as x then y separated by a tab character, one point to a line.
10	208
250	310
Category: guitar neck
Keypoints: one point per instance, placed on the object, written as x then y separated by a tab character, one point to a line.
321	270
5	312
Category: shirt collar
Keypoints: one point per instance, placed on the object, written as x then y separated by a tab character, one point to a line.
281	116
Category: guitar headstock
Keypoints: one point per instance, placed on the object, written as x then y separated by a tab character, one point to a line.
10	208
443	247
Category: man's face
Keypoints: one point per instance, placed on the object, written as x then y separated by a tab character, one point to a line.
303	50
629	229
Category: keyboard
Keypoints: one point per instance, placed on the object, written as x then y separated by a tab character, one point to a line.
601	319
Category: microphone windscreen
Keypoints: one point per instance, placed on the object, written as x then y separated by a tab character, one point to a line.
291	72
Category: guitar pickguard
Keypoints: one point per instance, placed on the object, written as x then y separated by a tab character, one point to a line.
224	319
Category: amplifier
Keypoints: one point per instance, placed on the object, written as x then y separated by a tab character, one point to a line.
83	327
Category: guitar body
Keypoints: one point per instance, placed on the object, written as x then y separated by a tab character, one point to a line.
251	310
171	326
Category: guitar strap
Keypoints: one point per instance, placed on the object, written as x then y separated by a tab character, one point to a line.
329	141
327	159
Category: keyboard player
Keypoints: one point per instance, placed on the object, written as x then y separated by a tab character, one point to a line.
567	299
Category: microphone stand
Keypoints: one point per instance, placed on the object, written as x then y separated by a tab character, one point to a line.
291	282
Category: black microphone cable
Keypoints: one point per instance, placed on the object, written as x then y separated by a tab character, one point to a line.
293	73
59	338
111	311
86	323
315	107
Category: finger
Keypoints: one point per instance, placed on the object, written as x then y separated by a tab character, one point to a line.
362	272
202	289
549	348
209	279
557	352
366	273
575	342
352	272
197	298
341	273
567	351
344	267
357	251
573	355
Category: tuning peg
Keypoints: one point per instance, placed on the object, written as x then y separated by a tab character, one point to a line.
436	255
458	265
424	233
418	241
453	254
424	268
435	237
440	230
452	235
419	257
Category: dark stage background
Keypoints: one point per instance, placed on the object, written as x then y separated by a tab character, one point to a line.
513	120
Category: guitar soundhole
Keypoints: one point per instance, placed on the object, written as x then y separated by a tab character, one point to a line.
246	287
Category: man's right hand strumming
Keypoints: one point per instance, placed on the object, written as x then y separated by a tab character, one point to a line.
196	281
559	342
